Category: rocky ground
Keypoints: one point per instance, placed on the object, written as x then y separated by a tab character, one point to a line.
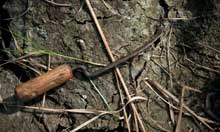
50	33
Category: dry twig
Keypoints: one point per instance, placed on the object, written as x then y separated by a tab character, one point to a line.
136	115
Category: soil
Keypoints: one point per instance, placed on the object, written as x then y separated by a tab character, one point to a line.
188	55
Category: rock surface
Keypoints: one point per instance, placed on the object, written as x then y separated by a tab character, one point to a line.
45	28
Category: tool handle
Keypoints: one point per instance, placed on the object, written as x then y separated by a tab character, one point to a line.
41	84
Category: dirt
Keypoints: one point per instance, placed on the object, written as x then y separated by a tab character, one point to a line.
190	54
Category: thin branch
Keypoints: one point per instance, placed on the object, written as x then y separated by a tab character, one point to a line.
112	59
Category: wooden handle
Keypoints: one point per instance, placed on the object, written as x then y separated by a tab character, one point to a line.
39	85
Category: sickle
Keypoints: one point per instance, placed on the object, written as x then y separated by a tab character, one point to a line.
39	85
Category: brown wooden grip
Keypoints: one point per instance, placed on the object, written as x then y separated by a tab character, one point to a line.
39	85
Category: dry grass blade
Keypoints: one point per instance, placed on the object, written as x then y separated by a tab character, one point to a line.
170	82
15	41
167	102
190	130
122	103
48	68
136	122
89	121
20	58
178	125
100	94
57	4
34	63
158	125
180	19
203	67
110	8
1	99
210	121
191	89
51	110
154	121
209	47
31	68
